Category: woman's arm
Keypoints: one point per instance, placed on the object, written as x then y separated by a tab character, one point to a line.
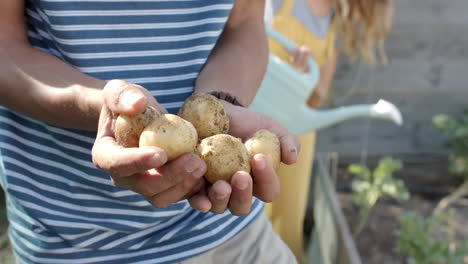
39	85
300	59
238	62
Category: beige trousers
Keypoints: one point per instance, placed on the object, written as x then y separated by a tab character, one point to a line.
257	244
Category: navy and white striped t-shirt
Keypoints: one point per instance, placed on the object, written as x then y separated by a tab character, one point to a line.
62	210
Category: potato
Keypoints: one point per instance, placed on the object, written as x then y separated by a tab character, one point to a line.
173	134
206	113
267	143
127	129
224	155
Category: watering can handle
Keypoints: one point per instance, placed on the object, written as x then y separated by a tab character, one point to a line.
290	46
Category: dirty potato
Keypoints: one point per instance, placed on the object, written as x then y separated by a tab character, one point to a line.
267	143
127	129
171	133
206	113
224	155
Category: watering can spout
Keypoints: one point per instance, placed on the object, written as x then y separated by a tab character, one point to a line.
284	91
388	111
318	119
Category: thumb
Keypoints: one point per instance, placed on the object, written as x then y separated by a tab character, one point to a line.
124	98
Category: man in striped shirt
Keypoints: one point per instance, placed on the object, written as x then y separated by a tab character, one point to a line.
67	64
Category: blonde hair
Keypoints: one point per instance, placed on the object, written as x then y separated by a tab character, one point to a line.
362	27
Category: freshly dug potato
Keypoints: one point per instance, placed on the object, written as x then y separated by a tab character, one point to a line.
171	133
267	143
127	129
224	155
206	113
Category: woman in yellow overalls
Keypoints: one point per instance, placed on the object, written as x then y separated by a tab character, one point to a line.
364	20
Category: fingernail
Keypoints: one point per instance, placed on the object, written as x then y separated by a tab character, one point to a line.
260	162
220	196
157	159
242	185
191	167
197	174
205	208
132	97
294	150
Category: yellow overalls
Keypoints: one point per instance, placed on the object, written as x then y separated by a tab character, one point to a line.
287	213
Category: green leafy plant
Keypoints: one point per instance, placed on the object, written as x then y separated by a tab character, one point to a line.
457	130
369	187
428	240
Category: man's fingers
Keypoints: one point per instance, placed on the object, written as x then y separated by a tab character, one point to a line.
241	196
124	98
219	195
289	144
155	181
200	201
105	123
185	165
290	147
267	186
188	186
169	175
245	127
126	161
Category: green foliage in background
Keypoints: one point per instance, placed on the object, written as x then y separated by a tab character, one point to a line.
429	240
457	130
369	187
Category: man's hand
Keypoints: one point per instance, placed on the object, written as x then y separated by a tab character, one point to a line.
263	183
143	170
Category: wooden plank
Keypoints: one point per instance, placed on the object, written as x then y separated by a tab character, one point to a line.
325	225
332	241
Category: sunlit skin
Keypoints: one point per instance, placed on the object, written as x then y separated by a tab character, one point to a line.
42	86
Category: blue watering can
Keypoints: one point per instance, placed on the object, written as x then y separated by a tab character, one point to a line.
284	92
